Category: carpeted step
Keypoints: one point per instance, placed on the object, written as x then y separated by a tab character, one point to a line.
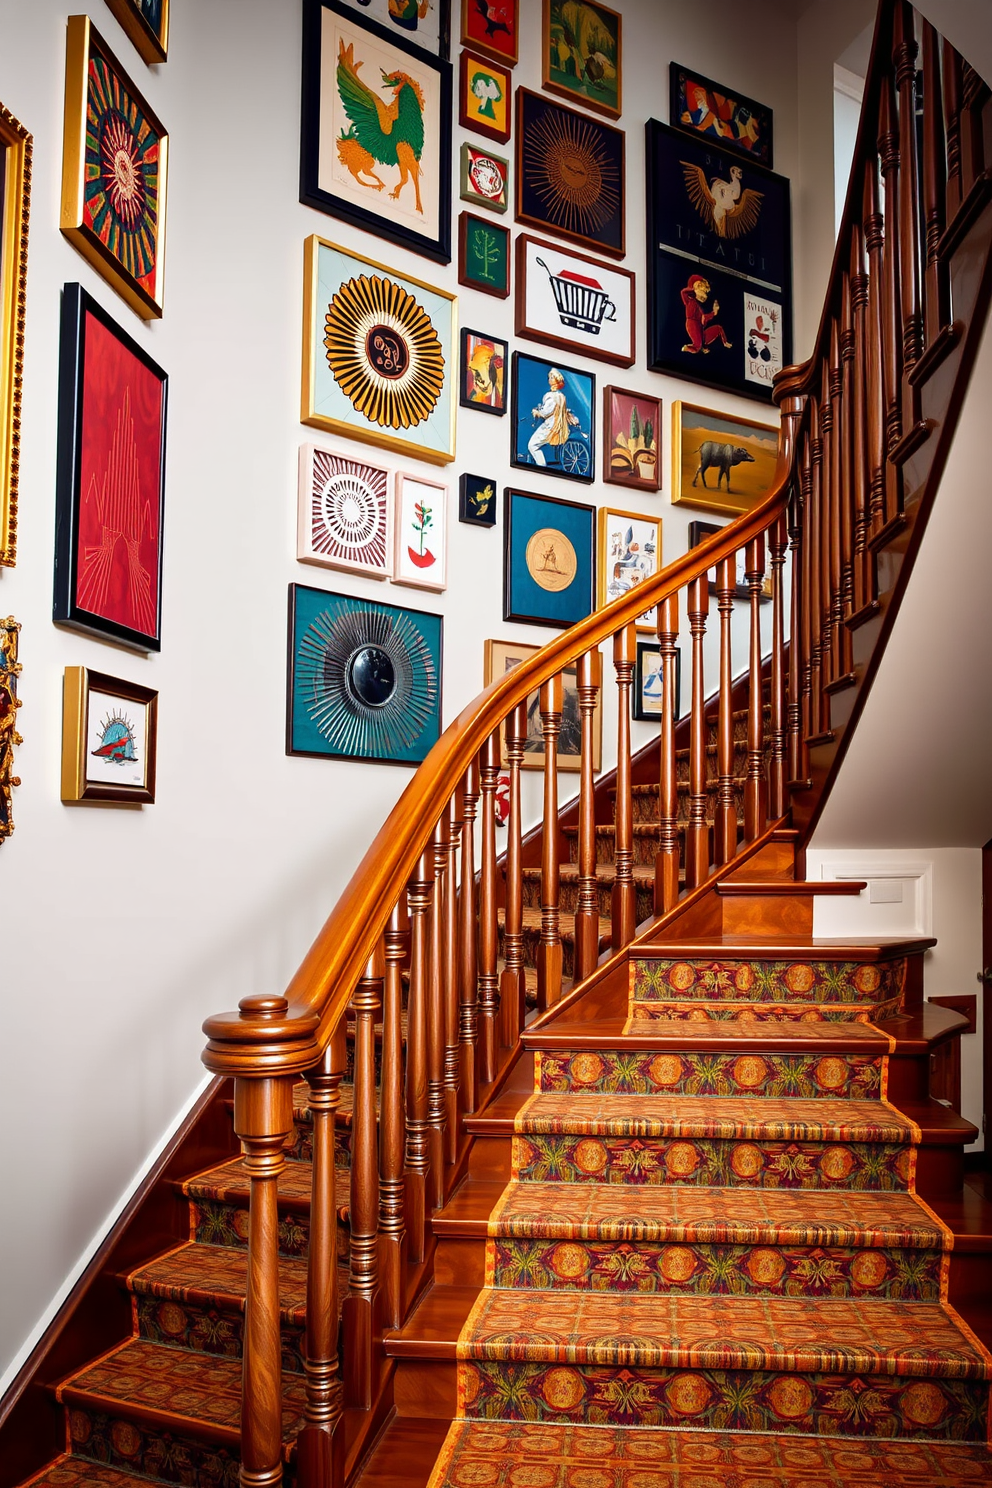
75	1472
646	799
500	1454
665	987
722	1141
752	1071
643	874
531	929
220	1206
645	837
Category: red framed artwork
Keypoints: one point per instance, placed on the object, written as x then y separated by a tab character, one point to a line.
110	485
491	26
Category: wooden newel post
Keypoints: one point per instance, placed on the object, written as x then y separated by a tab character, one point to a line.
666	872
549	950
623	905
263	1119
589	676
320	1448
358	1311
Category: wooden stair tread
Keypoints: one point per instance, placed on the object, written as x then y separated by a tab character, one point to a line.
969	1215
70	1471
228	1183
778	948
468	1208
217	1273
776	887
661	1033
788	1118
405	1454
432	1329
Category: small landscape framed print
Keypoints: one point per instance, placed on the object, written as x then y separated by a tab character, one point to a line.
491	26
581	47
698	532
648	692
483	372
570	174
376	129
550	562
580	304
484	178
484	89
477	501
110	479
720	464
114	170
631	439
483	255
146	23
15	197
629	551
700	106
364	678
344	514
502	657
378	349
420	525
427	25
552	418
109	734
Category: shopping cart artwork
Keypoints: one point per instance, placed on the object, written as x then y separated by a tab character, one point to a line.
582	302
553	418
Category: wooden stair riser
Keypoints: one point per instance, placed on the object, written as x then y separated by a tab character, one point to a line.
756	1073
569	894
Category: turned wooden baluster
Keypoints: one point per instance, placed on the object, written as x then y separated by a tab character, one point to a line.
589	674
623	904
816	532
488	913
878	465
549	951
263	1119
756	784
837	501
468	967
358	1310
319	1447
778	543
419	894
858	399
951	69
666	869
511	983
904	54
828	527
725	823
697	832
452	979
805	594
436	1021
392	1125
792	409
936	274
888	148
844	423
974	92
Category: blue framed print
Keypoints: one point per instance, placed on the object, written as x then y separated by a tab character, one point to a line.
552	418
364	679
550	559
719	265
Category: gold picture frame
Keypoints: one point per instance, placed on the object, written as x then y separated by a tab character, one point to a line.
109	738
10	670
500	658
15	199
114	172
737	487
150	42
629	551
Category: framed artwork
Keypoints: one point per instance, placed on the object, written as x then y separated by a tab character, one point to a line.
389	178
631	439
722	315
484	89
629	551
109	732
484	178
364	679
491	27
570	174
720	464
110	481
553	418
427	25
420	528
581	50
566	299
146	23
502	657
15	197
549	557
477	501
344	515
700	106
114	170
699	531
377	352
483	372
483	255
10	669
648	692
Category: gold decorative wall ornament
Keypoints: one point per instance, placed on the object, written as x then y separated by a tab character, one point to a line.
10	669
15	196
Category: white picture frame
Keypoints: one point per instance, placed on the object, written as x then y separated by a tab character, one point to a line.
566	299
344	518
420	532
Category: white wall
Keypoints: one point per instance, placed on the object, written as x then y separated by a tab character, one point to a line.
124	929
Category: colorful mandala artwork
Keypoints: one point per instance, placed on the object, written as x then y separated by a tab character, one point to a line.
384	352
121	200
344	513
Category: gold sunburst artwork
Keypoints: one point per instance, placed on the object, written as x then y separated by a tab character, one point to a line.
570	173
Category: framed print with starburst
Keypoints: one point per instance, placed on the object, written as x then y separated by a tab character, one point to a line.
344	515
109	737
719	265
110	479
570	174
549	575
114	169
376	129
364	678
379	354
147	25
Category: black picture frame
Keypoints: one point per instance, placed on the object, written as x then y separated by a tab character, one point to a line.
80	310
374	218
748	124
477	500
575	458
526	514
719	266
698	532
640	710
548	135
477	343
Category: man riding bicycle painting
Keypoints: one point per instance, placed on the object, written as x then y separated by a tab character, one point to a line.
553	418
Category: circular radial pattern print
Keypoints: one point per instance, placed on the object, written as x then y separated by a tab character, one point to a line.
384	352
348	511
573	174
122	174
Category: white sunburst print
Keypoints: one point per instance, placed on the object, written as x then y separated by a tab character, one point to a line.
344	513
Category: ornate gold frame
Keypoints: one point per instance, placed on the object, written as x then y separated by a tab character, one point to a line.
10	669
150	47
15	142
76	685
